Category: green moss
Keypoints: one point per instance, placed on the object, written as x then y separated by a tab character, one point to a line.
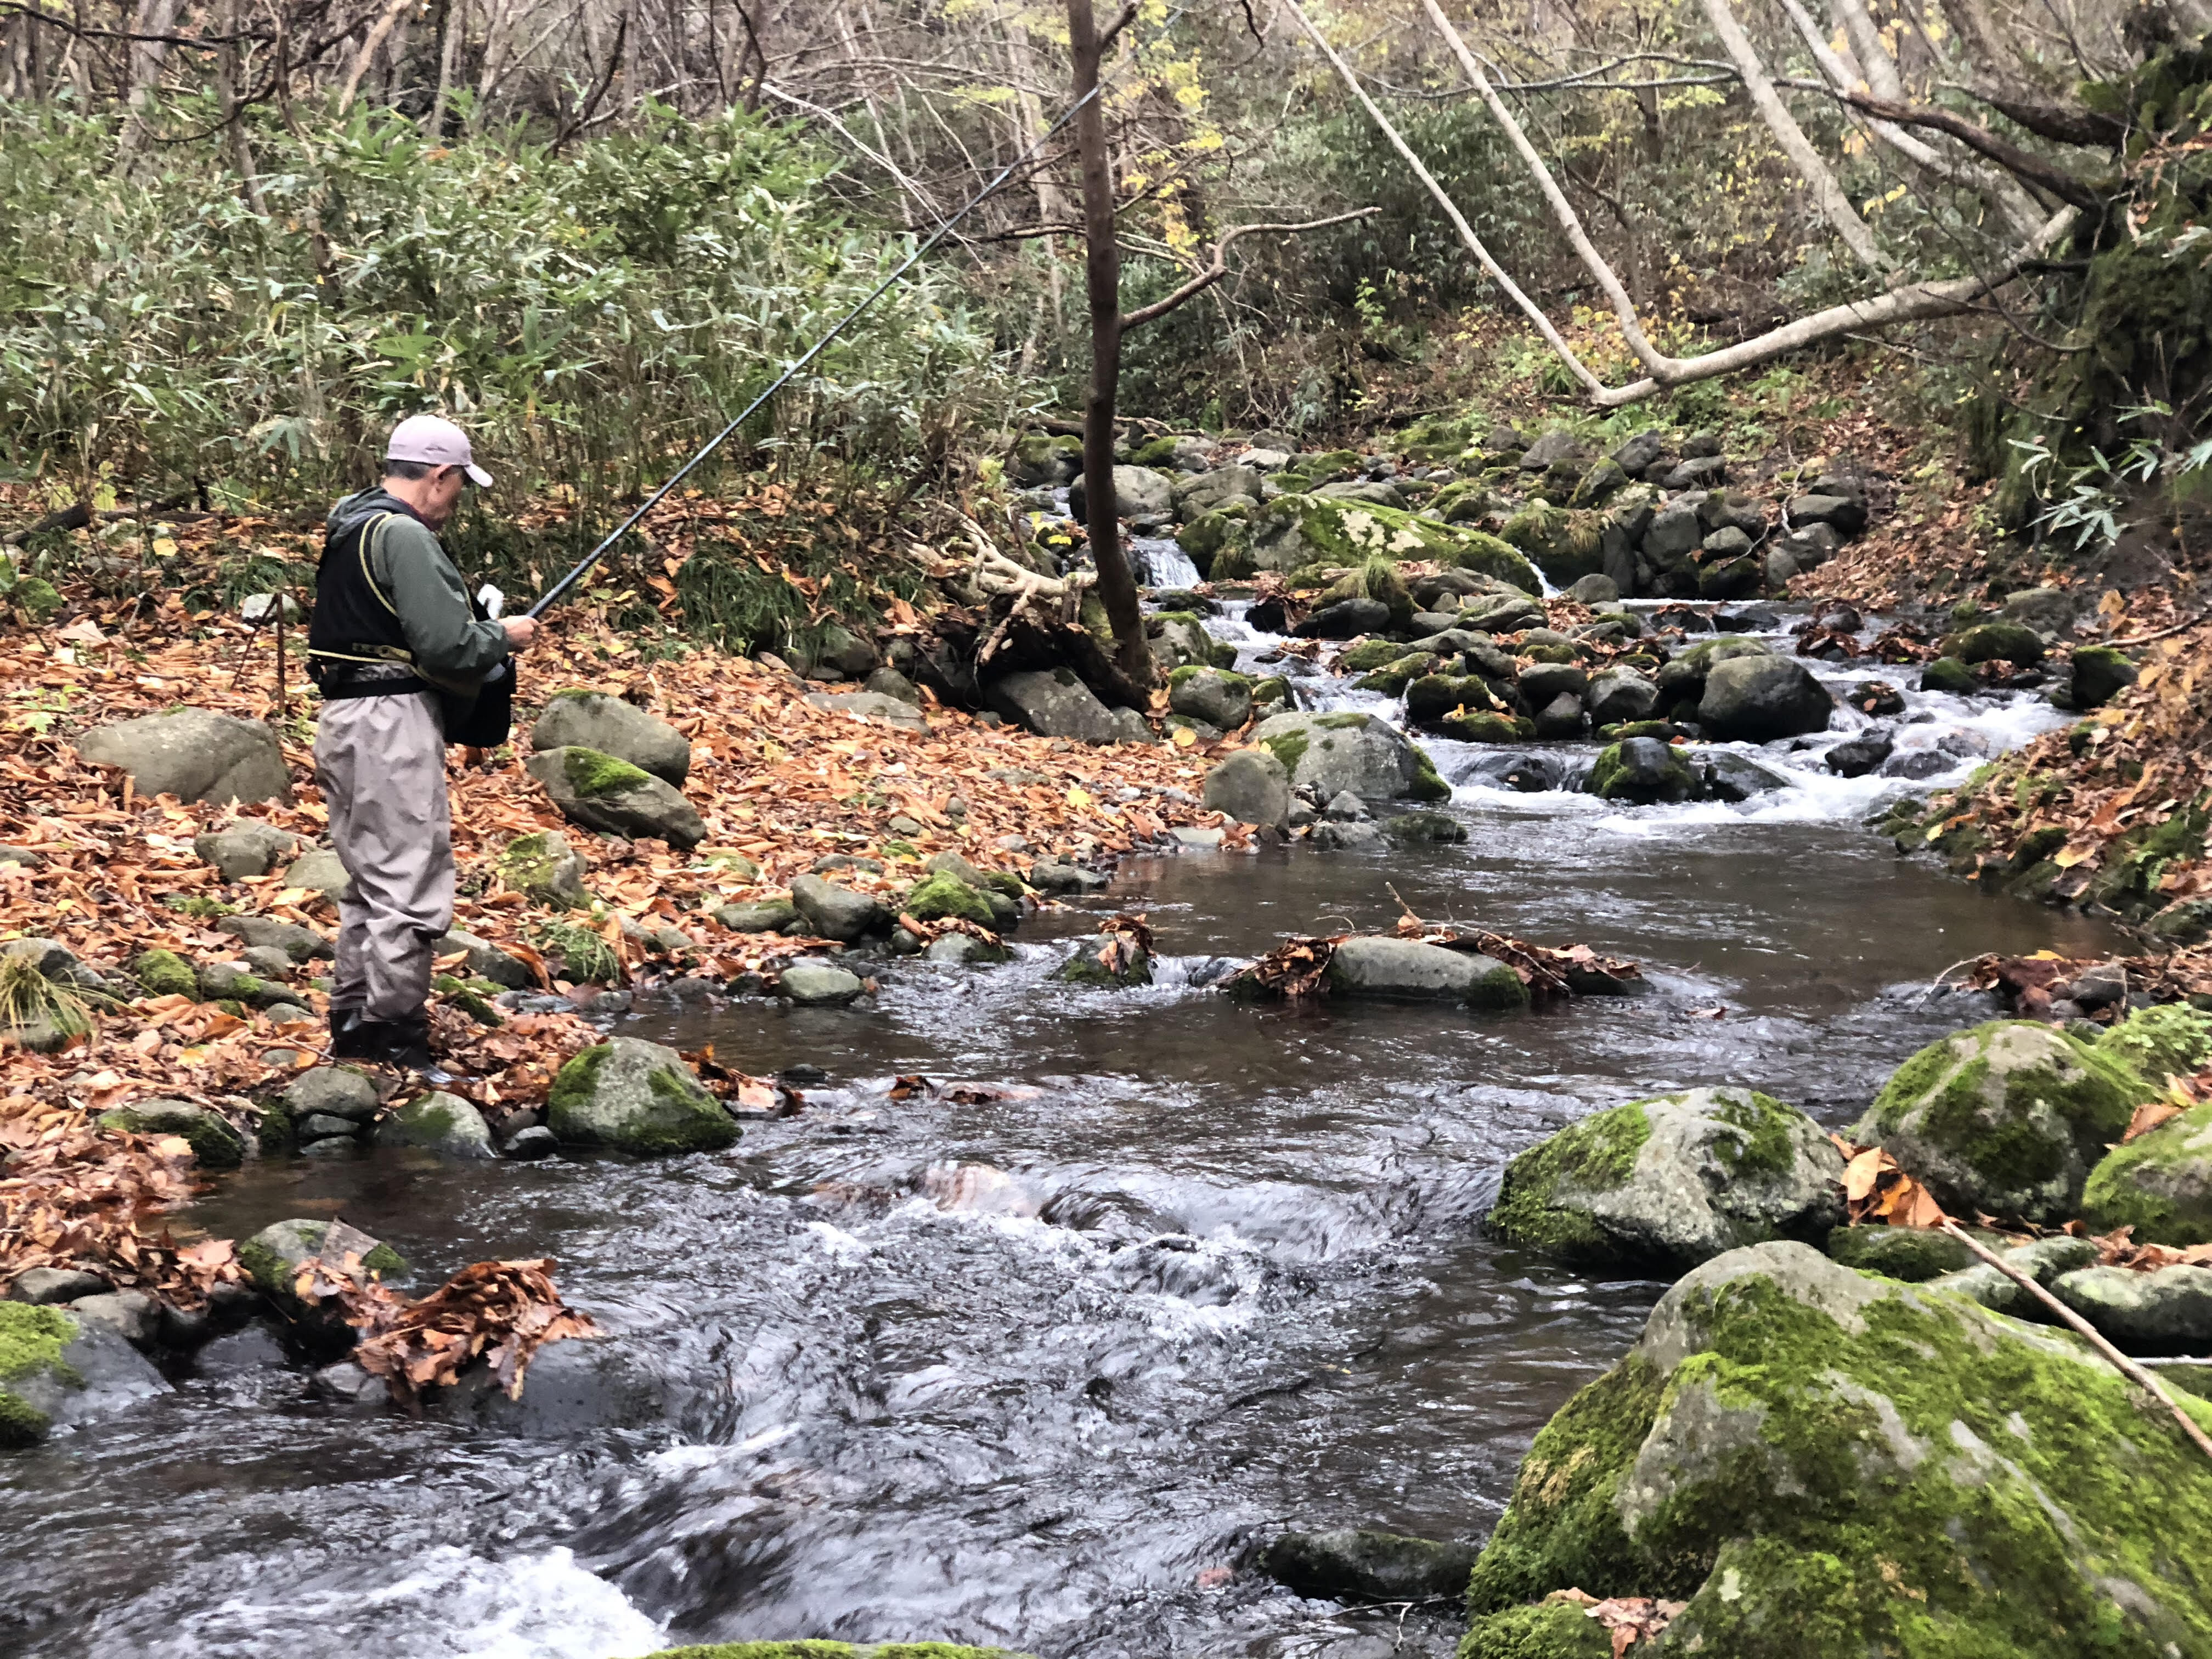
1429	783
199	906
1911	1255
1596	1154
166	974
942	895
2172	1040
1487	728
1288	747
1560	1530
1349	533
1566	544
529	864
1766	1148
384	1261
264	1267
1932	1480
588	958
1551	1630
592	774
31	1344
1609	778
215	1143
578	1081
1501	988
1274	689
2159	1183
1949	674
471	999
1369	655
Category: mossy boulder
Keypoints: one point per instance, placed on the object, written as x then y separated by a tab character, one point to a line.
1565	543
57	1371
2007	1119
544	866
441	1123
1109	961
1368	655
2159	1183
1827	1465
1643	771
603	724
1914	1255
1951	674
1392	679
942	895
272	1258
1349	750
1996	641
636	1096
2171	1040
166	974
215	1140
1673	1181
1294	530
2098	674
602	792
1547	1630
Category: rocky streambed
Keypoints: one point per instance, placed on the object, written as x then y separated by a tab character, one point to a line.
1053	1305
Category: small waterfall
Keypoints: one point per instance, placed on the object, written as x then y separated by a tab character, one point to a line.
1166	565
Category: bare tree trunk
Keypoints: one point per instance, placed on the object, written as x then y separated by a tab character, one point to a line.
376	38
1052	206
1827	195
1875	64
449	27
226	88
1528	306
1117	587
145	59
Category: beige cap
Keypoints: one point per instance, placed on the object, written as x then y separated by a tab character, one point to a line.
439	443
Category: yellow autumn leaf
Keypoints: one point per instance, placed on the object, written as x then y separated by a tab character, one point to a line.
2071	856
164	548
1184	736
1079	798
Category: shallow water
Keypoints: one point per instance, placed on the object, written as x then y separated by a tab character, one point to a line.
1218	1276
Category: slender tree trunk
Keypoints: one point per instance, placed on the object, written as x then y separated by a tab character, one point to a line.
226	88
449	28
145	59
1101	268
1051	205
1827	195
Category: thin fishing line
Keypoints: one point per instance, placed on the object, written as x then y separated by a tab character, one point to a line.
822	344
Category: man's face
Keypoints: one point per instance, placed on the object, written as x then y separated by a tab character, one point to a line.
442	492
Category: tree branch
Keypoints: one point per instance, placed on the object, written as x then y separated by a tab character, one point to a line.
2015	160
2062	125
1214	273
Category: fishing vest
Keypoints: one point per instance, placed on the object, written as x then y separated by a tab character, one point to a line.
355	622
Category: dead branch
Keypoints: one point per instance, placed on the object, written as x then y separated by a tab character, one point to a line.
1214	273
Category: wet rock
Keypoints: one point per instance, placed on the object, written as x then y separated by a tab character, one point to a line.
194	755
321	1126
1724	776
1594	589
1336	752
602	793
215	1142
904	713
59	1371
1949	674
438	1122
273	1256
1347	619
2007	1119
1916	764
237	1354
838	913
1673	1181
1619	695
1357	836
1845	514
635	1096
2044	1261
1561	719
2159	1183
818	985
1540	681
963	951
42	1285
527	1145
2168	1311
1112	962
1789	1434
577	1386
248	848
1052	876
1221	699
132	1315
334	1091
1911	1255
2098	675
1251	786
1367	1566
1053	703
1859	755
1643	771
607	725
1378	965
1761	698
1424	830
1994	642
1500	613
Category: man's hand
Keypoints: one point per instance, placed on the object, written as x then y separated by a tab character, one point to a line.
521	630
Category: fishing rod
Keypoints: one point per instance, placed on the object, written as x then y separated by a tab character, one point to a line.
822	344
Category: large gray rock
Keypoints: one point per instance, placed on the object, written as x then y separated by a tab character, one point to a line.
333	1090
1139	492
1643	771
901	712
2168	1311
1053	703
635	1096
1618	695
1674	1181
195	755
248	848
1222	700
2007	1119
1250	787
1378	965
487	961
1501	613
63	1370
1792	1436
1374	492
1367	1566
321	870
272	1259
838	913
2045	1261
759	917
300	944
215	1140
1355	752
602	792
821	984
1211	492
1758	699
441	1123
596	720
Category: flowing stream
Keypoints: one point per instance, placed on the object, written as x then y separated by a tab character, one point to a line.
1039	1369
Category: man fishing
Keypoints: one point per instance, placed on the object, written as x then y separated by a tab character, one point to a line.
397	648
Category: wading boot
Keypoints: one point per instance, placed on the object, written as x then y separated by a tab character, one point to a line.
350	1037
405	1043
